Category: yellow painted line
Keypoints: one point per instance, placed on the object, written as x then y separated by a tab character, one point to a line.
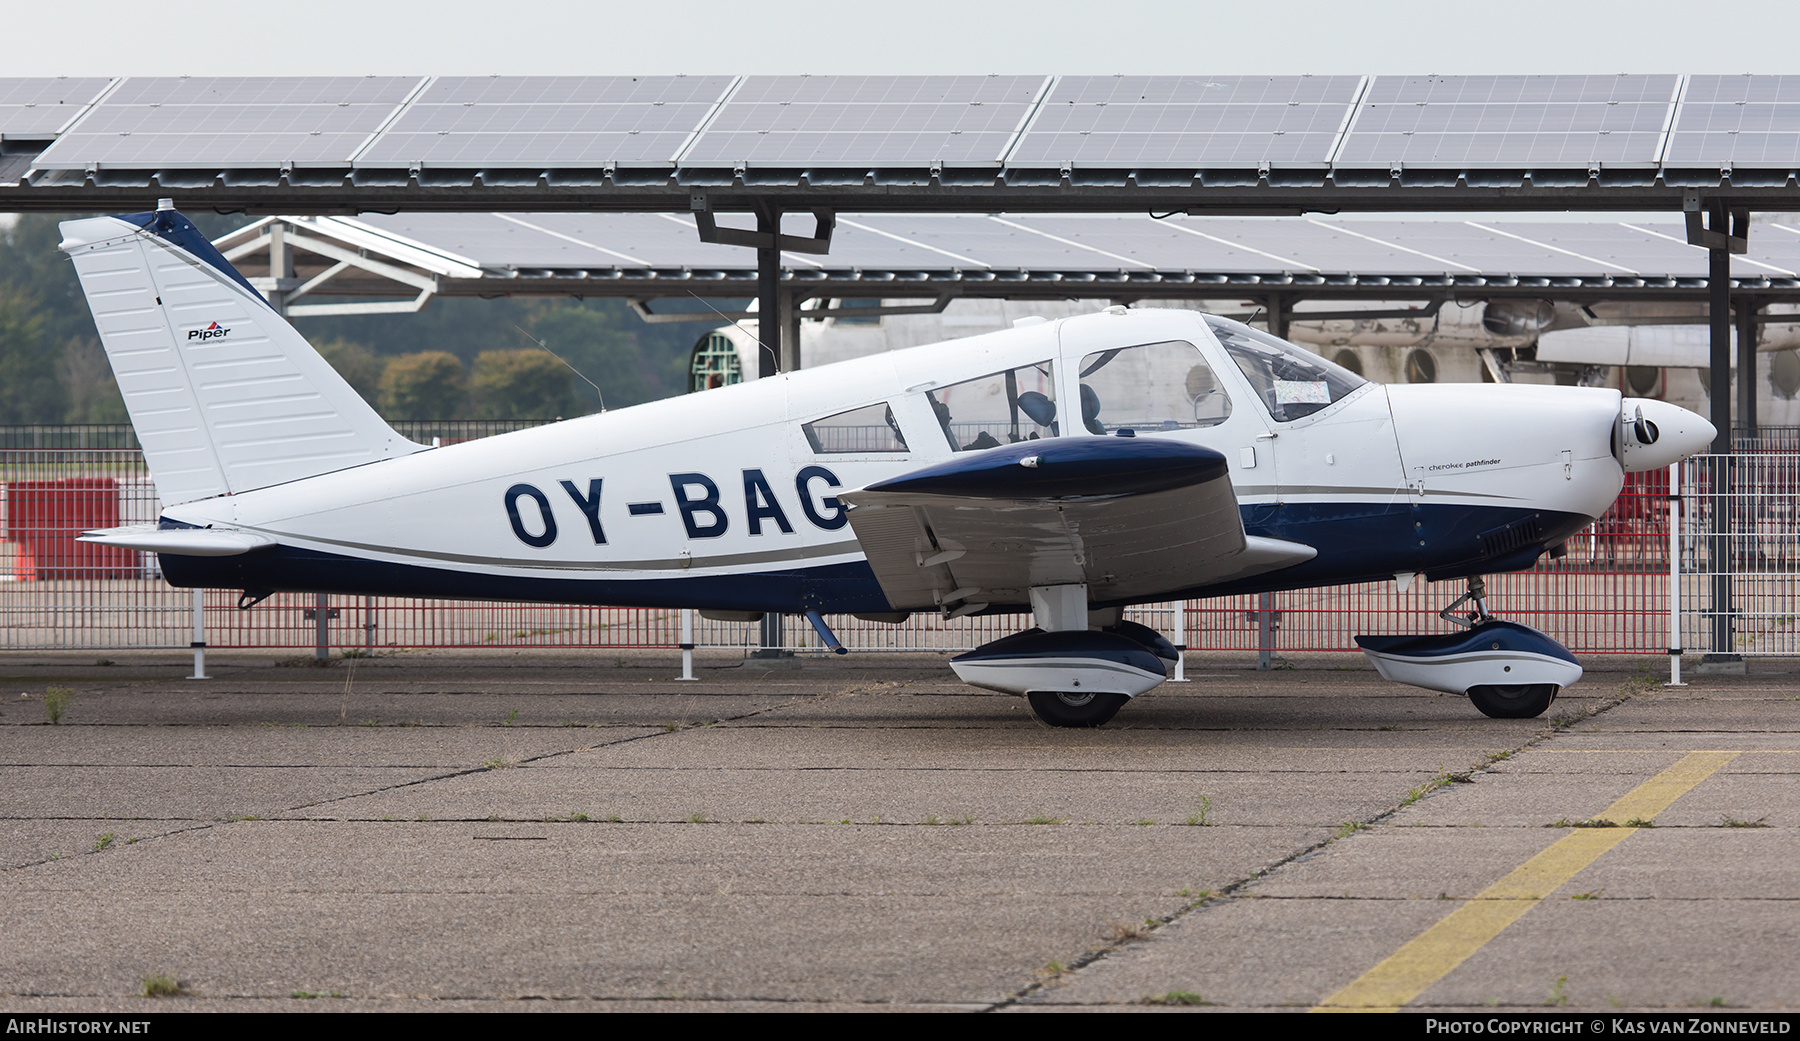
1432	955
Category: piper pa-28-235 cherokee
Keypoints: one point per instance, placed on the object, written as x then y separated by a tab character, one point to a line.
1066	469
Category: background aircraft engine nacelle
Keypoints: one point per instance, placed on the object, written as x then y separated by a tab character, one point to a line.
1067	662
1653	434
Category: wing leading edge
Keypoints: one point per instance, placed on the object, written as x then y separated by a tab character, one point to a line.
1131	518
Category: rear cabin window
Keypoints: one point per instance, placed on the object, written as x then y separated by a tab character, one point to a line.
1002	409
1156	386
867	429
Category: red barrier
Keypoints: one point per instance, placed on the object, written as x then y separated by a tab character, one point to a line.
45	517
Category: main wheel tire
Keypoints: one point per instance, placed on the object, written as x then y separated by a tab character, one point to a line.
1075	708
1513	701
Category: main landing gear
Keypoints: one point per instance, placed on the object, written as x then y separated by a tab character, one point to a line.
1509	671
1073	676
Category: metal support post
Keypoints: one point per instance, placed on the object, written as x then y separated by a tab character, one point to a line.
1281	312
322	628
768	286
1749	314
771	638
1719	380
281	266
687	643
789	310
199	643
1265	631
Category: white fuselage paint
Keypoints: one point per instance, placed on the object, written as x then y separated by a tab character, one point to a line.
1532	447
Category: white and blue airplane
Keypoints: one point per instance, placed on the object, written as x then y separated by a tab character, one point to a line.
1066	469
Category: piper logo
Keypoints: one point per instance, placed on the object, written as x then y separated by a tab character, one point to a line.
212	332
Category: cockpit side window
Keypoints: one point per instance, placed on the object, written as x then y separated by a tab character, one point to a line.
1001	409
1155	386
1293	382
868	429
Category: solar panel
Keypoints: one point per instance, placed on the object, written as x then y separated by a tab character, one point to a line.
1737	121
989	242
1187	121
1515	121
214	122
41	107
799	121
1300	245
547	121
1265	246
1161	244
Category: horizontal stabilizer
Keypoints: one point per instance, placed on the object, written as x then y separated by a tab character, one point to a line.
184	542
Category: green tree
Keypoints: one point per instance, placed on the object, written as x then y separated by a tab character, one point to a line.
426	385
521	385
29	390
597	343
357	364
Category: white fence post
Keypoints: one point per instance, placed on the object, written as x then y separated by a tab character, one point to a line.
1180	643
199	643
687	643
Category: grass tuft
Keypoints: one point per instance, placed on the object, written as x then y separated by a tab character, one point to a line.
1557	997
56	702
1197	819
162	986
105	841
1174	997
1733	822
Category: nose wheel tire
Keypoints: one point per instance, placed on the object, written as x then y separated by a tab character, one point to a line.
1076	708
1513	701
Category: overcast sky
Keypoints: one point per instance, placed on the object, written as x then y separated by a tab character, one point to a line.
463	37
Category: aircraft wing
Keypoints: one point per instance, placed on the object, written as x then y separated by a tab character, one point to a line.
1133	518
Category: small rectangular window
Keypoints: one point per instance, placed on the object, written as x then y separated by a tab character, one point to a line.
867	429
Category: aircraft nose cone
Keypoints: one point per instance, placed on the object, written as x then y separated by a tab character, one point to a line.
1655	434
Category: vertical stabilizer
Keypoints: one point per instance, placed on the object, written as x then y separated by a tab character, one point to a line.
225	395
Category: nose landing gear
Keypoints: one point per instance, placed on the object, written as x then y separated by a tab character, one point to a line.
1508	670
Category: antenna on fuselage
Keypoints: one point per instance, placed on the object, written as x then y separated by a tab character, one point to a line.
546	349
760	346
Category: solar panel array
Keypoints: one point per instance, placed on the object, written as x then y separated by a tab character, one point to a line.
808	121
42	107
1738	121
545	243
1510	120
1138	121
490	122
212	122
1147	123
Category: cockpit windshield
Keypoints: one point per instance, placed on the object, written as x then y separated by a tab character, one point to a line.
1292	382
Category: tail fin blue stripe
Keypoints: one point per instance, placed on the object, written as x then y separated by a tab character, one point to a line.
175	229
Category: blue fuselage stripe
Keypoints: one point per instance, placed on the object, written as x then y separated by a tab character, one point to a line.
1357	542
